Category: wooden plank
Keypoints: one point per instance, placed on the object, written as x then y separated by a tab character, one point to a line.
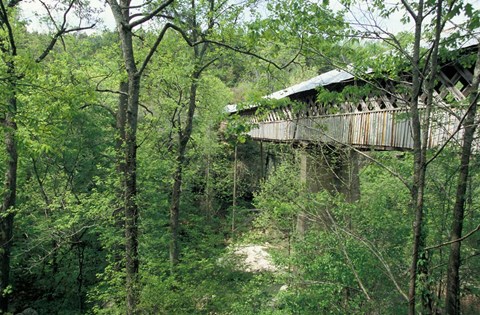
378	129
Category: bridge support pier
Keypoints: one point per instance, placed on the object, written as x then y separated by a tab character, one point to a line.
332	169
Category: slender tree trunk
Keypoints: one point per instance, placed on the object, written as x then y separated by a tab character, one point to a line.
121	14
183	139
185	133
9	201
130	179
10	187
419	161
131	209
119	212
175	212
452	298
121	117
125	24
423	269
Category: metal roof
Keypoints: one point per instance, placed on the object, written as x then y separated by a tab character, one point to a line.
330	77
327	78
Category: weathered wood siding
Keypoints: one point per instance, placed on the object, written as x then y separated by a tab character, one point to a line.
383	129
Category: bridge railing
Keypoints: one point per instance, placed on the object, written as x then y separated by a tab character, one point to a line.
382	129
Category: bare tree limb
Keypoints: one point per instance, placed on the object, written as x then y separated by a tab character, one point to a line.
249	53
156	44
61	30
459	127
205	66
456	240
377	254
110	91
137	6
409	9
108	109
349	260
9	27
151	15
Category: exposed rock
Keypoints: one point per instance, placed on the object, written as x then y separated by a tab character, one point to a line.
28	311
254	258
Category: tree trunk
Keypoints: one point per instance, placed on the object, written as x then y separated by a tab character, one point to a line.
174	214
121	117
419	161
424	268
131	209
10	188
125	24
452	298
130	155
9	200
183	139
119	212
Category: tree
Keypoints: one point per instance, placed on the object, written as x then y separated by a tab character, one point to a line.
11	55
469	124
126	22
429	20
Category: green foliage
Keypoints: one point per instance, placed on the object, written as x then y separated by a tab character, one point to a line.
68	246
320	276
280	199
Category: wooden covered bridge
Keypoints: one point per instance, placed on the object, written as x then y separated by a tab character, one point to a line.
378	121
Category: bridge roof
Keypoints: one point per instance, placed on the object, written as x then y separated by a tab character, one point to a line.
335	76
327	78
324	79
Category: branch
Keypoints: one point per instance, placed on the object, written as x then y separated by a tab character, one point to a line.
168	17
146	109
457	240
459	127
108	109
49	14
97	89
151	15
235	49
159	40
40	182
62	30
136	6
57	36
409	9
13	3
49	47
110	91
155	45
205	66
249	53
344	250
11	39
367	243
379	256
80	28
